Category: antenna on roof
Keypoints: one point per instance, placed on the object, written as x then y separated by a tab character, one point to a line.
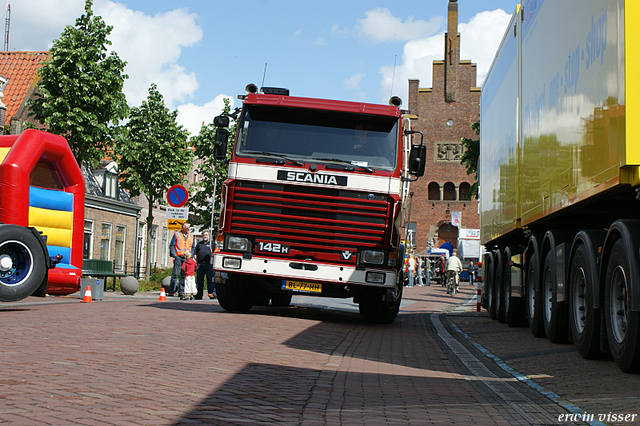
7	20
264	74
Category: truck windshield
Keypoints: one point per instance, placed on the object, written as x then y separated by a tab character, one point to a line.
369	141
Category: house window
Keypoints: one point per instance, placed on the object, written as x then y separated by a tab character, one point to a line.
449	191
87	245
464	191
154	244
111	185
434	191
105	242
141	240
164	249
121	233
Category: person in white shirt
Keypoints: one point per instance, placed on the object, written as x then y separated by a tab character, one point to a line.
454	267
411	266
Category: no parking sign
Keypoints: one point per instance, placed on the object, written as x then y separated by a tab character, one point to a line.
177	196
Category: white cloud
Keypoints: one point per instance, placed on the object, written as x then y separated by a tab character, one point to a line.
480	38
152	45
381	26
193	116
353	82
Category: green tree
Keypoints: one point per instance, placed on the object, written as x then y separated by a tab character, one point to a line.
212	174
154	154
469	158
80	89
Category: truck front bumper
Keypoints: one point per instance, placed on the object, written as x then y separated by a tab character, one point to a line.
304	271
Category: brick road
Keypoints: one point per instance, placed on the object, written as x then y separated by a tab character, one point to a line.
133	360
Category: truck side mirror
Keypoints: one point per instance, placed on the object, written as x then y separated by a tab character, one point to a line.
220	144
417	160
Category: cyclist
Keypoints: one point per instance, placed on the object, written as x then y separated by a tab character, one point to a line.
453	267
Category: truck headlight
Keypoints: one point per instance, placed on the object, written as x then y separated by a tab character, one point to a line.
238	244
231	262
375	277
372	257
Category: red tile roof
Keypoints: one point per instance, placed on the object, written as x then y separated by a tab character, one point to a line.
21	69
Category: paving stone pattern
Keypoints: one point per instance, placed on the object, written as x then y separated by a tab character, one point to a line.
136	361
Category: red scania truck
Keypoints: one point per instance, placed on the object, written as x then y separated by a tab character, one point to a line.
313	202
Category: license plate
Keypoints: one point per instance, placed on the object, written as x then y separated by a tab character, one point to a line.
301	287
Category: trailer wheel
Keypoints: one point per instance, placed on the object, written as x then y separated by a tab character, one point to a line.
555	317
499	287
493	285
379	308
22	263
514	306
234	295
281	299
533	306
622	323
584	319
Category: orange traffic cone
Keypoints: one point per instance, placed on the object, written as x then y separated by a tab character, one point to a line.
163	296
87	295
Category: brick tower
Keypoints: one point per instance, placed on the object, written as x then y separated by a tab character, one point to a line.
444	114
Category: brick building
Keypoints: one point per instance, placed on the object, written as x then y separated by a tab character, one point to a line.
444	113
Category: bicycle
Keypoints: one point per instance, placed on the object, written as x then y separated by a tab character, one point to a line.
451	285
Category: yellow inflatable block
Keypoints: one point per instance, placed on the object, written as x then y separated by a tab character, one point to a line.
56	237
39	218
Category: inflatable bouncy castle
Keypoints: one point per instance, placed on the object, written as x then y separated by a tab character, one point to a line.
41	186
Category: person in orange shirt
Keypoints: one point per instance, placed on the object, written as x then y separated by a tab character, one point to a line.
181	242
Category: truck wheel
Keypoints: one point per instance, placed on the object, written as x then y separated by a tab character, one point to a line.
500	284
554	318
22	263
514	306
622	323
487	280
533	306
281	299
378	309
234	295
584	319
494	286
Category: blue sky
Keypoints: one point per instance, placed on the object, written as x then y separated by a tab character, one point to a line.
200	51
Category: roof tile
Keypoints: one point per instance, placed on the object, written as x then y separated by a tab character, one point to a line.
21	69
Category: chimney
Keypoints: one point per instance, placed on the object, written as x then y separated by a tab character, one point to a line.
452	52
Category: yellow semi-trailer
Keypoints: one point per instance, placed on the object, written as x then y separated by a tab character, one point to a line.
559	172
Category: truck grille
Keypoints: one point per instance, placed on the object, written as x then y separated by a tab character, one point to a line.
317	223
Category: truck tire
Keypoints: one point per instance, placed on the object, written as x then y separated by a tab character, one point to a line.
378	309
554	312
281	299
487	280
234	295
491	288
533	310
584	319
499	287
22	263
514	306
622	323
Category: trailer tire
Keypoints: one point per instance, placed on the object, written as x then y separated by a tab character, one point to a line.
499	287
234	295
281	299
23	265
584	319
492	288
554	312
622	323
514	306
533	306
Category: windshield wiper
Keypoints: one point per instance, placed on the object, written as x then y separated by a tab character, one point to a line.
271	154
351	165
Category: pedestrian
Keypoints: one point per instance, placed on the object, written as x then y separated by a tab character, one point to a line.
419	267
441	270
472	273
411	266
427	271
189	267
181	242
453	268
203	255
